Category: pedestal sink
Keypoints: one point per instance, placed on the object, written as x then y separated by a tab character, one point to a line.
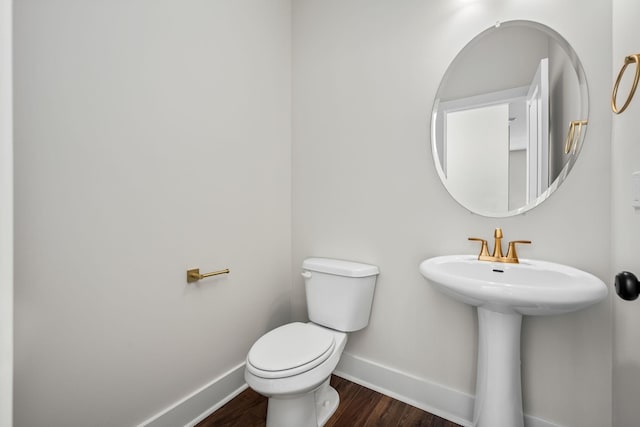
503	293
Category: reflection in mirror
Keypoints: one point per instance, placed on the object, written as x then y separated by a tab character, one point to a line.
502	118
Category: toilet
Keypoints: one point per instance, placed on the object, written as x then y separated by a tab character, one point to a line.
292	364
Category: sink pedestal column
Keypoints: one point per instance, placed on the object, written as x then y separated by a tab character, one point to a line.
498	387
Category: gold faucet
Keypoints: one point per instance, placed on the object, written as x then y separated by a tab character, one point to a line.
511	257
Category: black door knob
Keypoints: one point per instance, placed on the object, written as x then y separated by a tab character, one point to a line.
627	286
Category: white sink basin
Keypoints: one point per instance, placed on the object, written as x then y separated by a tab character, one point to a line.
503	293
531	287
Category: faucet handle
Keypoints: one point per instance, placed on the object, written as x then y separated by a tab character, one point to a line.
512	256
484	250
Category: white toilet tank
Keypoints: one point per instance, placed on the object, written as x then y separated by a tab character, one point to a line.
339	293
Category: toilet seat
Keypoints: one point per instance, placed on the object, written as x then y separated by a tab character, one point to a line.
290	350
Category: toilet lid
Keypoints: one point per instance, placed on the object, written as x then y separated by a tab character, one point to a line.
290	350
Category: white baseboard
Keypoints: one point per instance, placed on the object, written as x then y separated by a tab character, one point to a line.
437	399
434	398
195	407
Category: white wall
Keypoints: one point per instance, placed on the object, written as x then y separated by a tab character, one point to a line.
480	70
365	187
151	137
126	110
625	221
564	85
6	217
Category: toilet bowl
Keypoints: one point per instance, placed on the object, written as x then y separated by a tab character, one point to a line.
300	390
292	364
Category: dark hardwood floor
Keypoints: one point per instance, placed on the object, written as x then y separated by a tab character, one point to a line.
359	407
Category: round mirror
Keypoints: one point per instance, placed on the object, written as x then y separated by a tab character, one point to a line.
509	118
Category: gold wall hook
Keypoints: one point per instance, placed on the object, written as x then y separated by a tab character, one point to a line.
194	275
571	142
631	59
